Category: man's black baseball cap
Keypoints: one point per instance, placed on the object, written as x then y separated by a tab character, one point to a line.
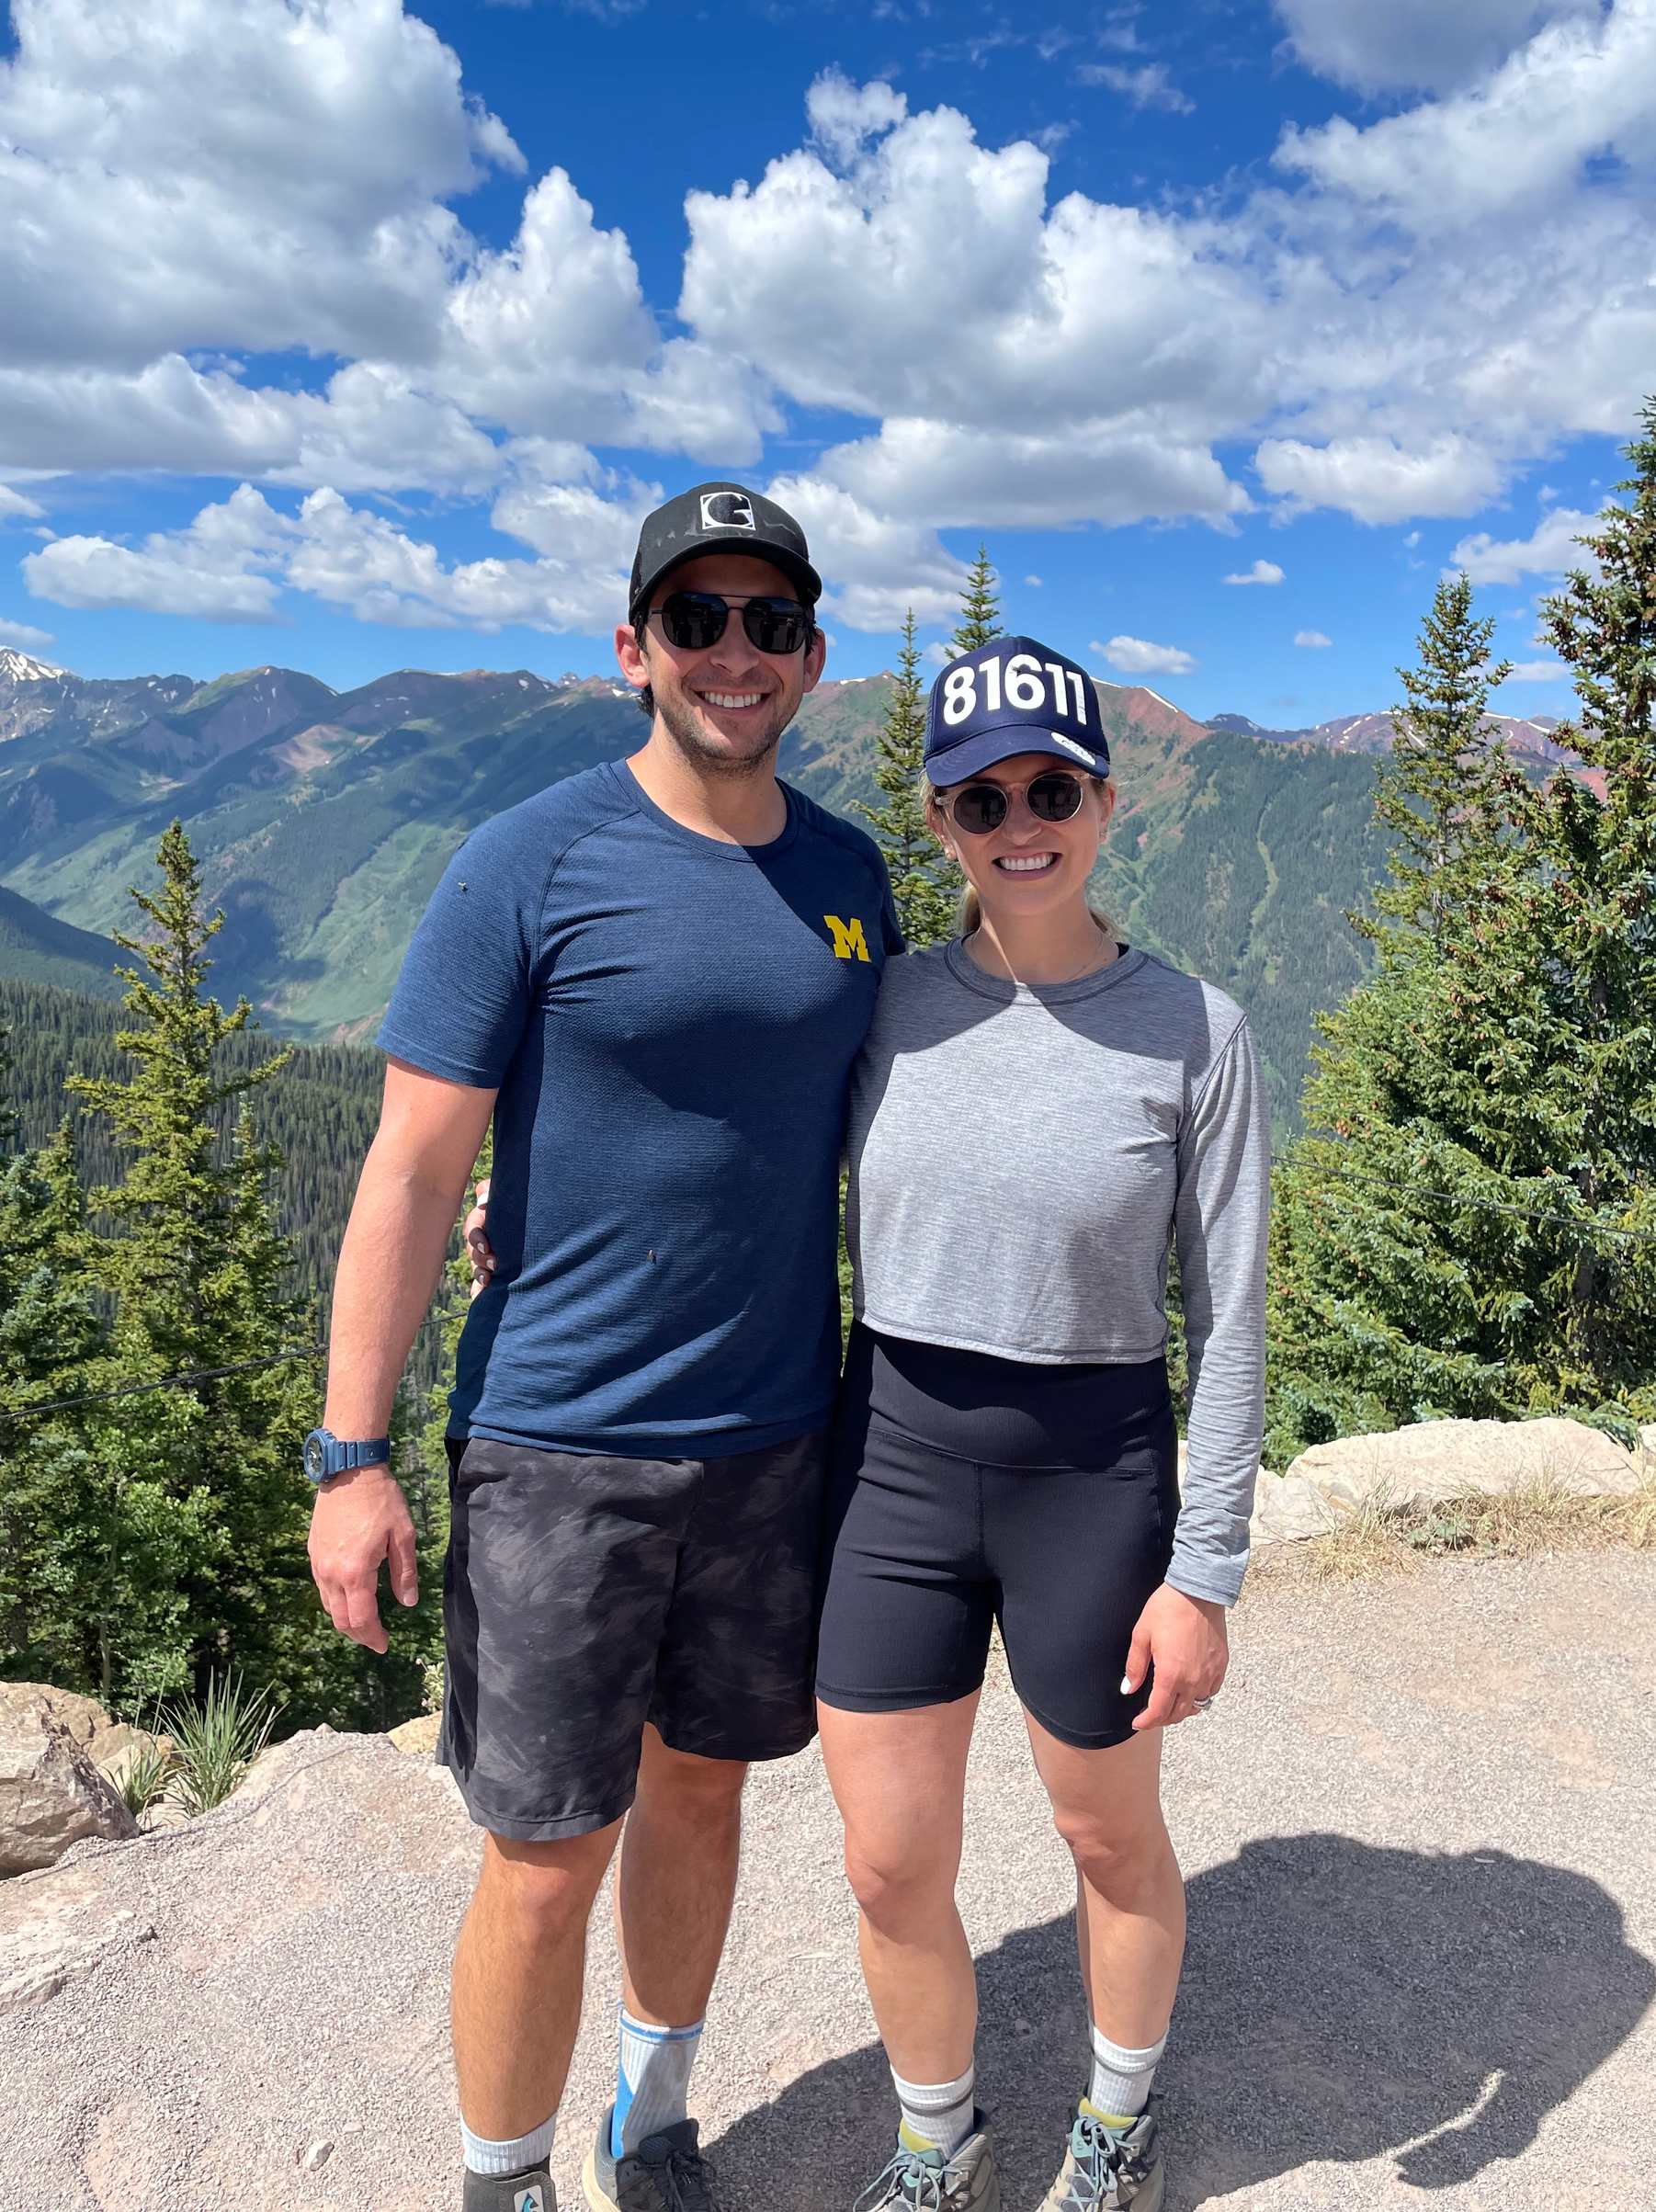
1016	695
720	518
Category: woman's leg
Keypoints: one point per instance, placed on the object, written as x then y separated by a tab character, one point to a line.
1107	1804
900	1781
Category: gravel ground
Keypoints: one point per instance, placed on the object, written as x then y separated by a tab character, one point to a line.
1417	1831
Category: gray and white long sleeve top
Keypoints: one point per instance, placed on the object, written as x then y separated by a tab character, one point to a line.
1021	1160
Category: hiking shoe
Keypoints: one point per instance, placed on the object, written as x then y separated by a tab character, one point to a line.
666	2174
925	2180
530	2191
1105	2168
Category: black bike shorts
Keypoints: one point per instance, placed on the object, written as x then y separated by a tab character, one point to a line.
965	1490
584	1595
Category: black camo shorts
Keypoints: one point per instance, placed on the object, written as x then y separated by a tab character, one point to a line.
584	1595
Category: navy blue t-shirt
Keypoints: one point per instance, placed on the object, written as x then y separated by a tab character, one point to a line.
671	1022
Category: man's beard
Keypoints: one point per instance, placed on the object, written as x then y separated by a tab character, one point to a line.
683	726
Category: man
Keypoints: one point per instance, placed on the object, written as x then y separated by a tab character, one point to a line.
653	977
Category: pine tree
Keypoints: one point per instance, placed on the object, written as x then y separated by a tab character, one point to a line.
1594	837
1468	1227
207	1511
49	1338
1439	794
980	622
925	883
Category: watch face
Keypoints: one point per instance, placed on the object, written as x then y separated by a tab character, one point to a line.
315	1460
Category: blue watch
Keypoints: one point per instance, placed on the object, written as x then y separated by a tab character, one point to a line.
326	1454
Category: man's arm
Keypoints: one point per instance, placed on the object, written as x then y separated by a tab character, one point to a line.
429	1136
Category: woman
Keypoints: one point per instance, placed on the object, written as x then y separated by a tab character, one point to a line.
1038	1113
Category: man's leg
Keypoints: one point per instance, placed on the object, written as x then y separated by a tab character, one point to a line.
518	1968
676	1881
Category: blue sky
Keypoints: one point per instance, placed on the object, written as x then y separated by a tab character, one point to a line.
347	336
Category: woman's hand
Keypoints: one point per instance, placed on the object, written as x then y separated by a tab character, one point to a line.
1184	1639
477	1247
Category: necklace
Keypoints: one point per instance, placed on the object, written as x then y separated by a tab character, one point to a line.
1105	952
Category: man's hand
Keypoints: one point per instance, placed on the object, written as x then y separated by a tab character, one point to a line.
361	1518
1184	1639
478	1248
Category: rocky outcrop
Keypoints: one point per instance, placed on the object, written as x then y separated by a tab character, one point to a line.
420	1734
1422	1465
51	1793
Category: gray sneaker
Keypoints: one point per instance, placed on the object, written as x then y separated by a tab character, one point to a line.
666	2174
530	2191
1109	2168
924	2181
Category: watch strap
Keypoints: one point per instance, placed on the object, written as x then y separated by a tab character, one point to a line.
327	1455
373	1451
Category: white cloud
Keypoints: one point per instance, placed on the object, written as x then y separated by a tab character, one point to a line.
930	287
1421	305
287	164
24	635
844	115
1034	581
1262	571
1138	656
1549	551
1376	480
875	568
215	570
1149	87
232	563
1538	672
1313	637
973	477
1413	45
13	502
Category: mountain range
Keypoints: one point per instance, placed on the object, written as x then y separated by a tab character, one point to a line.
1528	738
323	819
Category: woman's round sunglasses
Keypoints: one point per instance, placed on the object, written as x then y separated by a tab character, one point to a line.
694	620
978	807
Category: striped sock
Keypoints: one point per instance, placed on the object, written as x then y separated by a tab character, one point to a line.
937	2116
1119	2089
483	2155
653	2080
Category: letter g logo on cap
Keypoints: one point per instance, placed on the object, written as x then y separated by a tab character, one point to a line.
727	511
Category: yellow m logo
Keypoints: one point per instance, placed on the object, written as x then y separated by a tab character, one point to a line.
849	942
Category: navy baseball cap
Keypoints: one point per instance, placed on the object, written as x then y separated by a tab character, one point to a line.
720	518
1013	696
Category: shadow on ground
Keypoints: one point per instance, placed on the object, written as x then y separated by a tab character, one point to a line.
1340	2002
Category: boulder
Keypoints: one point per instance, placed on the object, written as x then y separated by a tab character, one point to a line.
1285	1508
50	1793
109	1744
420	1734
1436	1459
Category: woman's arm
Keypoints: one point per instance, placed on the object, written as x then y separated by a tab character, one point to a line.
1219	1221
1220	1216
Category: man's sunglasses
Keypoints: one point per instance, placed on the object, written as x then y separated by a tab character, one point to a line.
978	807
694	620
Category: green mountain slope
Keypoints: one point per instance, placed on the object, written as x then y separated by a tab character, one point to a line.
323	820
36	947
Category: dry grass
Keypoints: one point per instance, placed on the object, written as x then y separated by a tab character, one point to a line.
1544	1516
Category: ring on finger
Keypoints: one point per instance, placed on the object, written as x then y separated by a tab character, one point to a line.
1200	1705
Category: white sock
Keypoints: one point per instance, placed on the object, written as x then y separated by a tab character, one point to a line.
484	2156
653	2080
937	2116
1119	2089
